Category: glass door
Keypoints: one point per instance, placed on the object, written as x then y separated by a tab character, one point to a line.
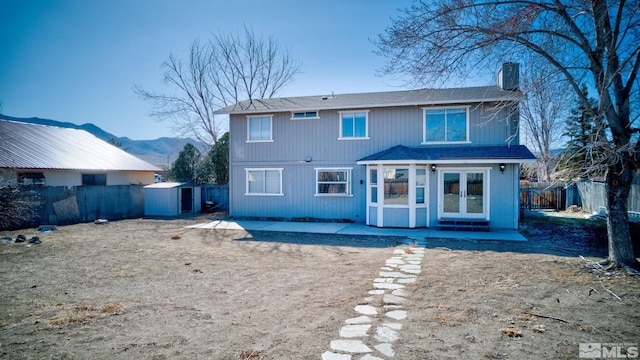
462	194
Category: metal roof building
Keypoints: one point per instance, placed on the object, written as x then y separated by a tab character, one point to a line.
67	156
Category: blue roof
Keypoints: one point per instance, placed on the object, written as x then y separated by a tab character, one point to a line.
443	154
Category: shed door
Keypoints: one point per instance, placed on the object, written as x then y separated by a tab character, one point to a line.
186	203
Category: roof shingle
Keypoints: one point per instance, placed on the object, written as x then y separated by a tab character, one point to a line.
376	99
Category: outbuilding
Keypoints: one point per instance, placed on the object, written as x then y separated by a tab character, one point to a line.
171	199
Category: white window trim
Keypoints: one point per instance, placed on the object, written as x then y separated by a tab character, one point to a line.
366	125
246	177
304	117
249	117
349	193
424	125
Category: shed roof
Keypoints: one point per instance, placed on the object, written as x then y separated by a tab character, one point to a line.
169	185
33	146
451	154
421	97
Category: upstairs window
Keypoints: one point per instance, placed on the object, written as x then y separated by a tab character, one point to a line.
259	128
305	115
31	179
353	125
94	179
444	125
333	182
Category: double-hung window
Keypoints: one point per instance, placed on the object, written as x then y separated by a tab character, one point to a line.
444	125
353	125
264	182
259	128
333	181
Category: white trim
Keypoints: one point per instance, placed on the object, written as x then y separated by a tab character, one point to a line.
366	125
348	171
246	180
249	117
424	125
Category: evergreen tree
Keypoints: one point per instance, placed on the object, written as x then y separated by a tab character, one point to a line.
186	165
578	159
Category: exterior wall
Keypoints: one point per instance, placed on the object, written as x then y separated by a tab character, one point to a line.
297	141
161	202
71	178
293	140
168	201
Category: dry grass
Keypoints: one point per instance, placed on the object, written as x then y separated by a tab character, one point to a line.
82	313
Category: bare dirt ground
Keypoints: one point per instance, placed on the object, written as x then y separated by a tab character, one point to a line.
152	289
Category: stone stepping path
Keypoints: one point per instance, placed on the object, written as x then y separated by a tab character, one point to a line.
378	322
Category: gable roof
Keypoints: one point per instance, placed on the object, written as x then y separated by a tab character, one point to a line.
32	146
451	154
419	97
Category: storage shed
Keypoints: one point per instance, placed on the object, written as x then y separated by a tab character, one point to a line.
171	199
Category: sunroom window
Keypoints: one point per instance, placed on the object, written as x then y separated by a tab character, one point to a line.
446	125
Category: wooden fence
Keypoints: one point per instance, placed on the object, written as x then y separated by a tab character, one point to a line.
62	205
542	196
215	196
591	196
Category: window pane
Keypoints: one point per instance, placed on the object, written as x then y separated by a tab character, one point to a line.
420	195
254	129
435	125
272	182
265	128
457	125
374	194
396	186
373	177
421	178
360	124
451	187
347	125
260	128
256	182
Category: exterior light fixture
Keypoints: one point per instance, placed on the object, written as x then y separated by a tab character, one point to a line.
433	167
502	167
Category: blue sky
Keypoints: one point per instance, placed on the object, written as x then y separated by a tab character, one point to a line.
78	60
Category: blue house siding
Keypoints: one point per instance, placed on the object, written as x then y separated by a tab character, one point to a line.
299	199
473	179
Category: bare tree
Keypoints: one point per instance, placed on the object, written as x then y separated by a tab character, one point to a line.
222	72
595	42
543	113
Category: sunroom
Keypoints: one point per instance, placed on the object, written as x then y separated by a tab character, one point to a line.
421	187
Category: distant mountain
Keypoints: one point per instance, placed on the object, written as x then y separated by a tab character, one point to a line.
160	152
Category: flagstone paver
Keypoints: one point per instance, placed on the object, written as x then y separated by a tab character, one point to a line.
370	336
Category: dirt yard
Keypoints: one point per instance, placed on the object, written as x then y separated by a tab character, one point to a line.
153	289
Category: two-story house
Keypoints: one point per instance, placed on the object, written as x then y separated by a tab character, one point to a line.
416	158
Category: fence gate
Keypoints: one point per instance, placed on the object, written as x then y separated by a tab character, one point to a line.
541	196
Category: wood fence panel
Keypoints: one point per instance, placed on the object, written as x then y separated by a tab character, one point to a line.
593	196
94	202
217	194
